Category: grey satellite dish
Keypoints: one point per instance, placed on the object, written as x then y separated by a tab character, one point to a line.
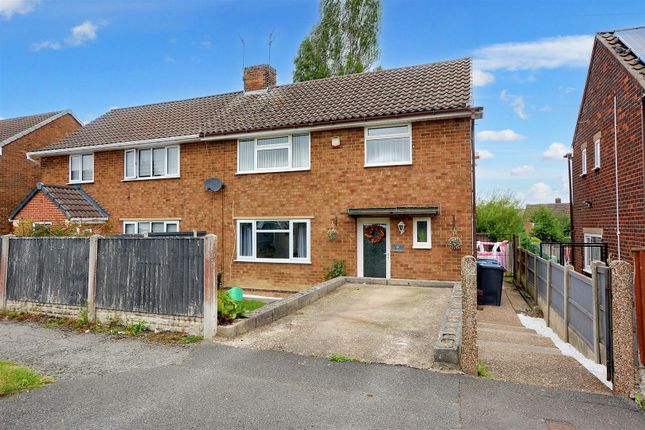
213	185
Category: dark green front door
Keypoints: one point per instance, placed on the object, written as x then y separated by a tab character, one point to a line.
375	250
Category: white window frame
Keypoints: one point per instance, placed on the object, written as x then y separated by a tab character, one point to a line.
136	225
288	146
596	152
136	176
80	181
584	161
387	136
415	243
254	259
587	255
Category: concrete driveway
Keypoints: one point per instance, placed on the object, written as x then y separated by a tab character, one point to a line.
374	323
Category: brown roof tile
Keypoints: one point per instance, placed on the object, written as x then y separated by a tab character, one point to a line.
73	201
626	57
426	88
11	127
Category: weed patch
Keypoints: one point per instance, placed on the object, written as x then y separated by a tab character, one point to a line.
339	358
14	378
482	371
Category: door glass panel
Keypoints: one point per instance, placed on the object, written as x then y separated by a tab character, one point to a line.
374	250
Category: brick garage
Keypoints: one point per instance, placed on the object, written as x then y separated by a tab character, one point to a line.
18	175
337	181
612	72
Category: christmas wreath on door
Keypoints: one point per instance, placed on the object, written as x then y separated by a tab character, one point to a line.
374	233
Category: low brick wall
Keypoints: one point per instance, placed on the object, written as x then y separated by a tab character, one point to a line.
190	325
448	345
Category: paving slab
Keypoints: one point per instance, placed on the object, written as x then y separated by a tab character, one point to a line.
511	352
376	323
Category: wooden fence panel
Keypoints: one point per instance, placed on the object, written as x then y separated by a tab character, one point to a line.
48	270
153	275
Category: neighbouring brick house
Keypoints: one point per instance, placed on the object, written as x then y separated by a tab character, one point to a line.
611	116
375	169
18	136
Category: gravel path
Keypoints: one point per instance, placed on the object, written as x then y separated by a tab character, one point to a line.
67	354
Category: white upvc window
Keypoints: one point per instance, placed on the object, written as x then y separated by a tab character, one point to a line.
274	241
81	168
422	233
388	146
274	154
592	253
141	227
596	154
151	163
584	161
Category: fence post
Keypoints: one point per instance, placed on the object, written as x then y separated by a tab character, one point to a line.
596	310
4	265
468	350
565	302
210	286
622	327
548	292
535	276
91	277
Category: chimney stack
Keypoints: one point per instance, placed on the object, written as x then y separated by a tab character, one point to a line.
558	200
259	77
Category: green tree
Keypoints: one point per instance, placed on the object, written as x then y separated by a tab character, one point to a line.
546	226
344	41
499	215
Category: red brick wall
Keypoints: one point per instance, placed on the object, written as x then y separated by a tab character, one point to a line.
440	175
18	176
608	78
41	209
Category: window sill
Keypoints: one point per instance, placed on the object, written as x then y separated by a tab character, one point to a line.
596	169
406	163
582	175
421	246
271	261
154	178
80	182
257	172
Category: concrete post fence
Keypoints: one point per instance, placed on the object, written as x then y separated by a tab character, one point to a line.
625	372
210	286
91	277
4	264
468	353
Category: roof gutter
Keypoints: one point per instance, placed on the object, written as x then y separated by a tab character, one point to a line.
473	113
111	146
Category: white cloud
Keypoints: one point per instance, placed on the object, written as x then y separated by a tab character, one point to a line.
540	193
485	154
545	108
517	102
45	44
555	151
481	78
522	170
206	44
506	135
547	53
8	8
82	33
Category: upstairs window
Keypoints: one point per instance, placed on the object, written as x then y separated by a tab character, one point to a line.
152	163
596	153
388	146
141	227
273	154
584	161
81	168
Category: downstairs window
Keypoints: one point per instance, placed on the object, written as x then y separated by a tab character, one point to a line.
273	241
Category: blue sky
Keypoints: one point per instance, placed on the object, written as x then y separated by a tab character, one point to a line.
531	60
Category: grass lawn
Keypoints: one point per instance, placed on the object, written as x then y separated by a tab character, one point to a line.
251	305
15	378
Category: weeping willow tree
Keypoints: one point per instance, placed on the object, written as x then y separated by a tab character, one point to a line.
344	41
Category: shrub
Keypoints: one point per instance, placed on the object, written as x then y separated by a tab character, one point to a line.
499	215
337	269
227	307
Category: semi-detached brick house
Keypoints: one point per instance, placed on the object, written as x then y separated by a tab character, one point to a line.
375	169
611	117
18	136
